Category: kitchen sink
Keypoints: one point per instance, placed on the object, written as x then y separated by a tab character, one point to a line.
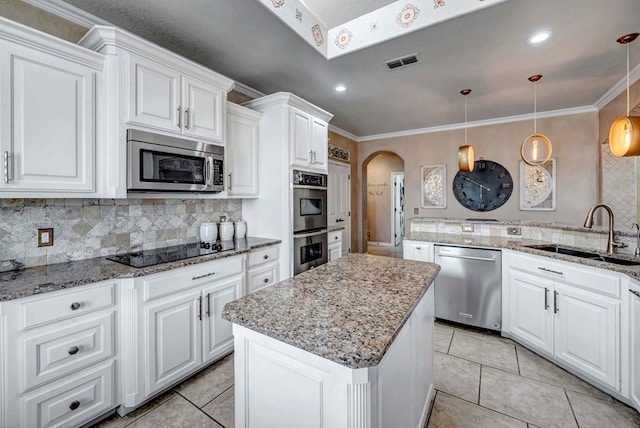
584	254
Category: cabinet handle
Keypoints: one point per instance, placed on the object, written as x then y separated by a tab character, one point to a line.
635	293
203	276
73	350
208	304
336	237
550	271
230	181
75	306
6	166
179	116
200	308
266	256
265	280
186	118
555	302
418	248
74	404
546	298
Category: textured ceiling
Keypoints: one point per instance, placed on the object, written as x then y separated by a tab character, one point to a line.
335	12
485	50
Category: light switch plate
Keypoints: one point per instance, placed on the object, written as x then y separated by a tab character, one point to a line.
467	228
416	211
514	231
45	237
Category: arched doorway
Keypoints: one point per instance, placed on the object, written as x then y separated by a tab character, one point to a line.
382	203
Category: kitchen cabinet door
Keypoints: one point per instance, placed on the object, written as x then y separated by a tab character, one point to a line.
154	98
300	138
242	151
174	330
203	106
217	332
635	345
47	121
531	310
319	144
587	333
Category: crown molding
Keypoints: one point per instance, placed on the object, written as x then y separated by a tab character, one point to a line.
68	12
344	133
618	88
497	121
248	90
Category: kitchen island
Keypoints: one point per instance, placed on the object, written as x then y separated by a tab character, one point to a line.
347	344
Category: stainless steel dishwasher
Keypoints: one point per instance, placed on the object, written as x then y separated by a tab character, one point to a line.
468	288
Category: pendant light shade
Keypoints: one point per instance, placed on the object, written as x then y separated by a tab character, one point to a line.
536	148
465	153
624	135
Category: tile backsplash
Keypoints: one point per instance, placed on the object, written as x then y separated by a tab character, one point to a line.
86	228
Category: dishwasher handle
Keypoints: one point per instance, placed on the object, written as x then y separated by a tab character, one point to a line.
481	259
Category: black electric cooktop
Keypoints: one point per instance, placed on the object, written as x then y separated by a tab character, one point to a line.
144	258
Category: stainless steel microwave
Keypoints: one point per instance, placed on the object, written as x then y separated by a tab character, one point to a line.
159	163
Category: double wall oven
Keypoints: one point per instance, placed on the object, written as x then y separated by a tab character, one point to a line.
310	246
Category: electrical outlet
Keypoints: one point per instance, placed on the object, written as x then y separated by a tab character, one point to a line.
467	228
45	237
416	211
513	231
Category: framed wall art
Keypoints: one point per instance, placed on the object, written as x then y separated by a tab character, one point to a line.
538	186
338	153
433	182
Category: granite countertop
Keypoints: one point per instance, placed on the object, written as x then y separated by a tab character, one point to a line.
348	311
523	245
335	228
43	279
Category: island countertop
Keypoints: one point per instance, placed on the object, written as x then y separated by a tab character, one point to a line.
348	311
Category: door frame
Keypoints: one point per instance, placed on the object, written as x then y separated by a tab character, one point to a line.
348	226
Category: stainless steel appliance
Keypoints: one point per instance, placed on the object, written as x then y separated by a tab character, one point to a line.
309	250
160	163
157	256
468	288
309	201
310	247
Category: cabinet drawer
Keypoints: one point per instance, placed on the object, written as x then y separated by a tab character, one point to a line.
334	237
72	402
166	283
263	276
264	255
58	306
588	278
51	354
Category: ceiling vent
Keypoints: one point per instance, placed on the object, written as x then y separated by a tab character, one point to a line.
394	64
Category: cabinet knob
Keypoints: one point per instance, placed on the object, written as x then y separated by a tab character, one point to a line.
74	404
265	257
75	306
265	280
73	350
335	237
418	248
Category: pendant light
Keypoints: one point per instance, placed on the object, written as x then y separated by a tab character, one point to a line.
536	148
624	136
465	153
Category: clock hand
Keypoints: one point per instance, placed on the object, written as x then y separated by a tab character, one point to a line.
476	183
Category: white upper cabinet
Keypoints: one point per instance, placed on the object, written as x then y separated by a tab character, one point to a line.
48	93
150	88
241	158
309	138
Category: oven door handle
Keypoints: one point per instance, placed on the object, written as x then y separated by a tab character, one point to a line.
301	186
310	234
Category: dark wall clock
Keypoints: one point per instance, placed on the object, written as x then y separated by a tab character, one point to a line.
486	188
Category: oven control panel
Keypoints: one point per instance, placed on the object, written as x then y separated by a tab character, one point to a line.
303	178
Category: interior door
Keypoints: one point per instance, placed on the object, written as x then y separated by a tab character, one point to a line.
339	201
398	208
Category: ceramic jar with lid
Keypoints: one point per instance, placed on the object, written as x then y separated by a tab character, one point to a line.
208	232
240	229
226	229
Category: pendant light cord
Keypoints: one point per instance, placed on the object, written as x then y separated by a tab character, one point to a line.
535	107
628	79
465	120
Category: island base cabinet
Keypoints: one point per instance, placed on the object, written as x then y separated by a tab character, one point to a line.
280	385
635	343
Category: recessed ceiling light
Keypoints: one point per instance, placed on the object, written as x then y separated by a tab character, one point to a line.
539	37
341	88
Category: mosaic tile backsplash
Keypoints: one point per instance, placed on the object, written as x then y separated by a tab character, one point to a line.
86	228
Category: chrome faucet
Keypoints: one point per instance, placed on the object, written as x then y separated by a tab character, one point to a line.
588	222
637	252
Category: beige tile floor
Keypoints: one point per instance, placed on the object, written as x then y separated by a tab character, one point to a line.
481	380
385	250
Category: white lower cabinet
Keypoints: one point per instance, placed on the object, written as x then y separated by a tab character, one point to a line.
176	317
263	268
61	371
417	250
335	244
634	304
571	314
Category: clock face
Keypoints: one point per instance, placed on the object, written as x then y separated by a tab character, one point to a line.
488	187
